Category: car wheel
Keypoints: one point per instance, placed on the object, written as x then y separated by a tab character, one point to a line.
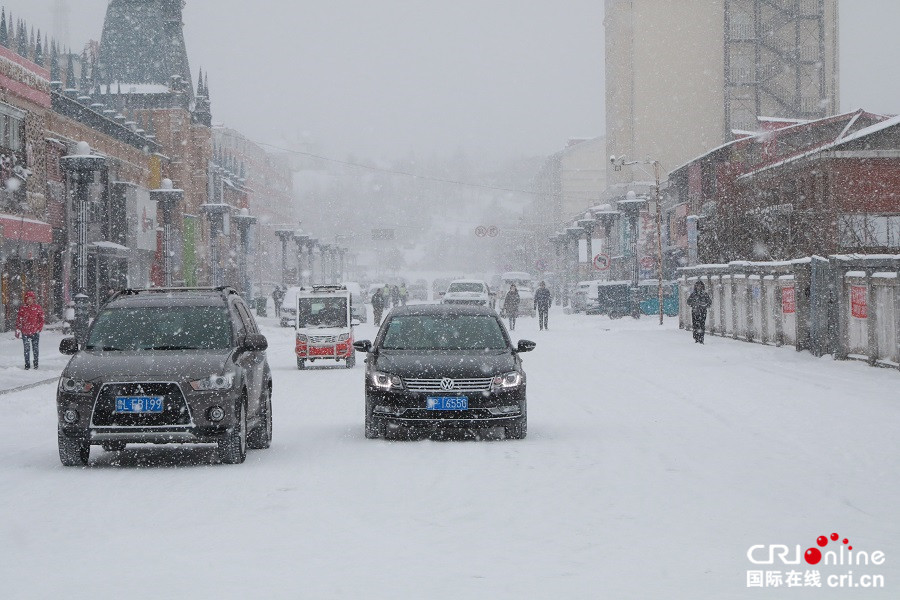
373	430
301	364
233	447
114	446
261	437
73	452
351	360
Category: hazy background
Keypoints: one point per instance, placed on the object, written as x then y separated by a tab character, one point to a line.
381	79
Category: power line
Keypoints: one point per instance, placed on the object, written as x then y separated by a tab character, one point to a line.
396	172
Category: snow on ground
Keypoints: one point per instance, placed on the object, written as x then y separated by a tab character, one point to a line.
652	464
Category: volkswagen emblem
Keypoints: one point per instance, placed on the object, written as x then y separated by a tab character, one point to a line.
447	383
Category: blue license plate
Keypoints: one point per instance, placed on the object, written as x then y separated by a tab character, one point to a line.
139	404
447	403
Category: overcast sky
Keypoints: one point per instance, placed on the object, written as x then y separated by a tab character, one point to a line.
381	78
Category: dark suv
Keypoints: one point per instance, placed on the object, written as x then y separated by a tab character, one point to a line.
167	366
444	366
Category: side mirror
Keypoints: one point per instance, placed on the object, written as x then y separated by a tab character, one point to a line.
355	323
525	346
68	346
363	346
255	342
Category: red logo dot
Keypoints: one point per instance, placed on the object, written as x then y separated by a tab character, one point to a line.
834	537
846	541
813	556
822	541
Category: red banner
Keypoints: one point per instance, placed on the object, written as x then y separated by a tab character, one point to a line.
859	308
788	300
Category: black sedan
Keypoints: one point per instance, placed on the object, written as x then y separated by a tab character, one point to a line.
443	366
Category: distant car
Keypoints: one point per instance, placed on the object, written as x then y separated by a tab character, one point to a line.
418	291
167	366
358	301
289	306
467	291
441	366
584	295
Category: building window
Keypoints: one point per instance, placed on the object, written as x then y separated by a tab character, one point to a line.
12	127
870	231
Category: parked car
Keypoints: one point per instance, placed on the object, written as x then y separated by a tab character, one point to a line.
167	366
289	306
437	366
467	291
357	301
585	292
612	299
325	326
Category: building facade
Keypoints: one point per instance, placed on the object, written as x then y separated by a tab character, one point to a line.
680	76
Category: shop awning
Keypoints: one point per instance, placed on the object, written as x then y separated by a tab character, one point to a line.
17	229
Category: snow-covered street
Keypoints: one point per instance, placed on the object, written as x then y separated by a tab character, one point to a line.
651	465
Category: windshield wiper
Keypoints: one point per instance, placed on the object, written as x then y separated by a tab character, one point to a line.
171	348
104	348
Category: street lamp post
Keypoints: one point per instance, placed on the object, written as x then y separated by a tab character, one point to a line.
285	235
167	199
311	245
81	167
216	215
244	222
573	234
606	219
618	163
631	206
302	241
588	223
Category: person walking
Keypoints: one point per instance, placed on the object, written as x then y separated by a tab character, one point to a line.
404	294
278	298
377	306
699	301
395	296
29	324
511	306
542	302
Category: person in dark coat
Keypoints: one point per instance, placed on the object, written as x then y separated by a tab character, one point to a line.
542	302
395	296
699	301
377	305
29	324
278	298
511	306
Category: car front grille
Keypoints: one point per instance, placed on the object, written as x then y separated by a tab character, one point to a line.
175	409
448	385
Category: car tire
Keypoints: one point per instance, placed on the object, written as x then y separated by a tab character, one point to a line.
517	431
373	429
113	446
73	452
233	447
351	360
301	364
261	437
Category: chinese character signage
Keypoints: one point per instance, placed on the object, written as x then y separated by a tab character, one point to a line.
858	305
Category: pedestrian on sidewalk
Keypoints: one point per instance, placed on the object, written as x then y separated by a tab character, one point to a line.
29	324
542	302
511	306
699	301
378	302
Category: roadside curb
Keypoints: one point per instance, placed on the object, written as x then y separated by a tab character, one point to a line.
22	388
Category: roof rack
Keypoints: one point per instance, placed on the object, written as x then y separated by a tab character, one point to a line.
224	291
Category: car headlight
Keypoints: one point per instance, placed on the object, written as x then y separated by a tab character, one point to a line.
303	339
214	382
507	380
75	386
385	381
343	337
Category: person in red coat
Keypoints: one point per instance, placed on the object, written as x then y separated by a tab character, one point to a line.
29	325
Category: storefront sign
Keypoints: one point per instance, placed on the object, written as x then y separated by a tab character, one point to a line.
788	300
858	306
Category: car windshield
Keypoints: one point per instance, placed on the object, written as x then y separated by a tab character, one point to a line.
163	328
465	287
444	332
319	313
